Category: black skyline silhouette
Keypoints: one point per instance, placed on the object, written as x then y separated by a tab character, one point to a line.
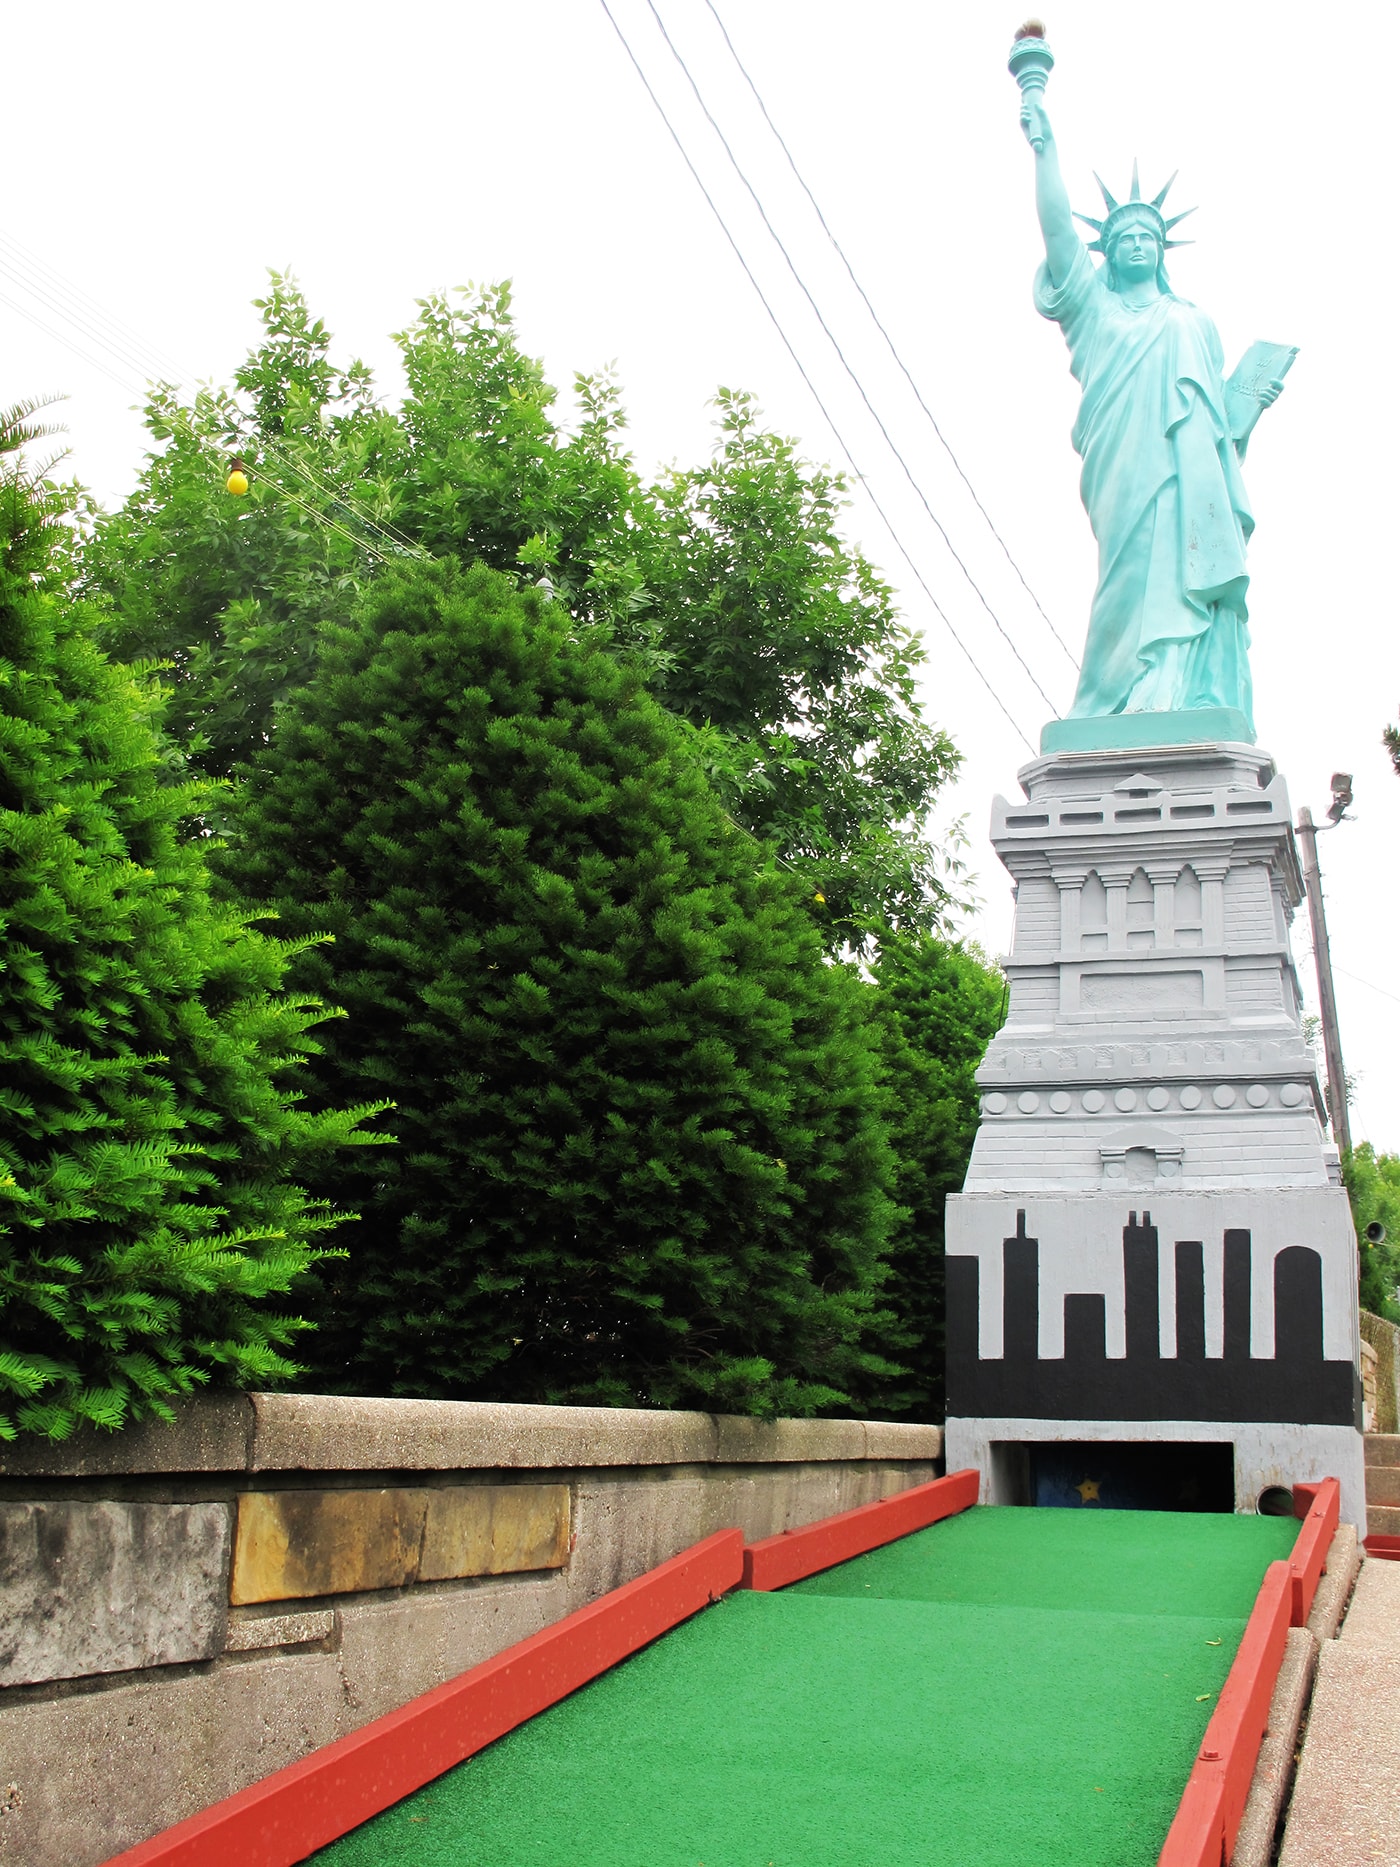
1296	1384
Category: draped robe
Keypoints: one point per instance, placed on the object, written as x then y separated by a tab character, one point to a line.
1161	483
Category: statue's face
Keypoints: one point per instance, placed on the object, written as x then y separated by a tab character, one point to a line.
1136	252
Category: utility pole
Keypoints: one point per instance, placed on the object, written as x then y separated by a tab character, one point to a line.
1322	958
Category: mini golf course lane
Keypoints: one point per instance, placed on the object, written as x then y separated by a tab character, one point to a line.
1106	1561
1007	1687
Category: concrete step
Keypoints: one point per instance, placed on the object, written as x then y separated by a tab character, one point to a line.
1383	1520
1373	1617
1382	1484
1382	1448
1344	1795
1345	1792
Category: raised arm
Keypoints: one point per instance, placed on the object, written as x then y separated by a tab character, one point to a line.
1051	195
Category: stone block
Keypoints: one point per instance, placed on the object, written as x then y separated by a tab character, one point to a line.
623	1527
1383	1520
741	1441
210	1433
1382	1449
105	1586
391	1650
290	1544
326	1432
98	1772
330	1432
323	1432
1383	1485
1369	1391
254	1633
494	1530
902	1439
1384	1337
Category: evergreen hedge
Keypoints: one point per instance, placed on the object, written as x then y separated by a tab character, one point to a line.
940	1004
640	1157
147	1146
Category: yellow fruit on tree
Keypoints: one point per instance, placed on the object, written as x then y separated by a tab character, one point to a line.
237	481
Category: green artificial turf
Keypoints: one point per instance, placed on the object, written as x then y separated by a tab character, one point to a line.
1128	1561
1009	1687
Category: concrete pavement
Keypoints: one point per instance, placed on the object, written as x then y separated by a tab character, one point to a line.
1345	1810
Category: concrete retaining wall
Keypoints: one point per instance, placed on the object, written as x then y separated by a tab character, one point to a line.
1384	1339
185	1609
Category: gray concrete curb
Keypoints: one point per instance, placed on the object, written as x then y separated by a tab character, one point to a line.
1273	1773
1338	1580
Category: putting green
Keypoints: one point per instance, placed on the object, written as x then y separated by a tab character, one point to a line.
1110	1561
1010	1686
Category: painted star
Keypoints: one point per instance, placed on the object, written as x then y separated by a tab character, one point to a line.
1088	1489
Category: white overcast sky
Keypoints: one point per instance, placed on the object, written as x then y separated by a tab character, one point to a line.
163	156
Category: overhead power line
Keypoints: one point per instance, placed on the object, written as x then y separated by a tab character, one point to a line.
126	382
1356	976
122	382
889	341
136	358
811	386
844	361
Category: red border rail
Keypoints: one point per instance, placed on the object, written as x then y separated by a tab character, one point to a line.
1196	1837
1212	1807
290	1814
1320	1507
794	1554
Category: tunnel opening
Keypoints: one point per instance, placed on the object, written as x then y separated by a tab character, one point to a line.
1177	1475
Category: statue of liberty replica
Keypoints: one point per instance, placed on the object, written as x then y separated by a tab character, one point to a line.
1151	1271
1161	434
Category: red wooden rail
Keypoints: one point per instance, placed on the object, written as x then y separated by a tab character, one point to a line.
1319	1505
290	1814
794	1554
1208	1818
1386	1547
1196	1837
1212	1807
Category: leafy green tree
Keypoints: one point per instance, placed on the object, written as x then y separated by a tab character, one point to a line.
940	1003
640	1153
727	585
784	641
1373	1184
149	1145
227	592
489	474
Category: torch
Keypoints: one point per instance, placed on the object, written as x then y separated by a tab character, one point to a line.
1030	64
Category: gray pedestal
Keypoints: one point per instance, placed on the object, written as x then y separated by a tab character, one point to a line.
1152	1242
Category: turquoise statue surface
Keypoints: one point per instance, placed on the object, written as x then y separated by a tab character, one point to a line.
1161	433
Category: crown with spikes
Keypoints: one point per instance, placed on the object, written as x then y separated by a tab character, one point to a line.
1119	210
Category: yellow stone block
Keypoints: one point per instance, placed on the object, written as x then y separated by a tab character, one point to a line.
293	1544
289	1544
494	1530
